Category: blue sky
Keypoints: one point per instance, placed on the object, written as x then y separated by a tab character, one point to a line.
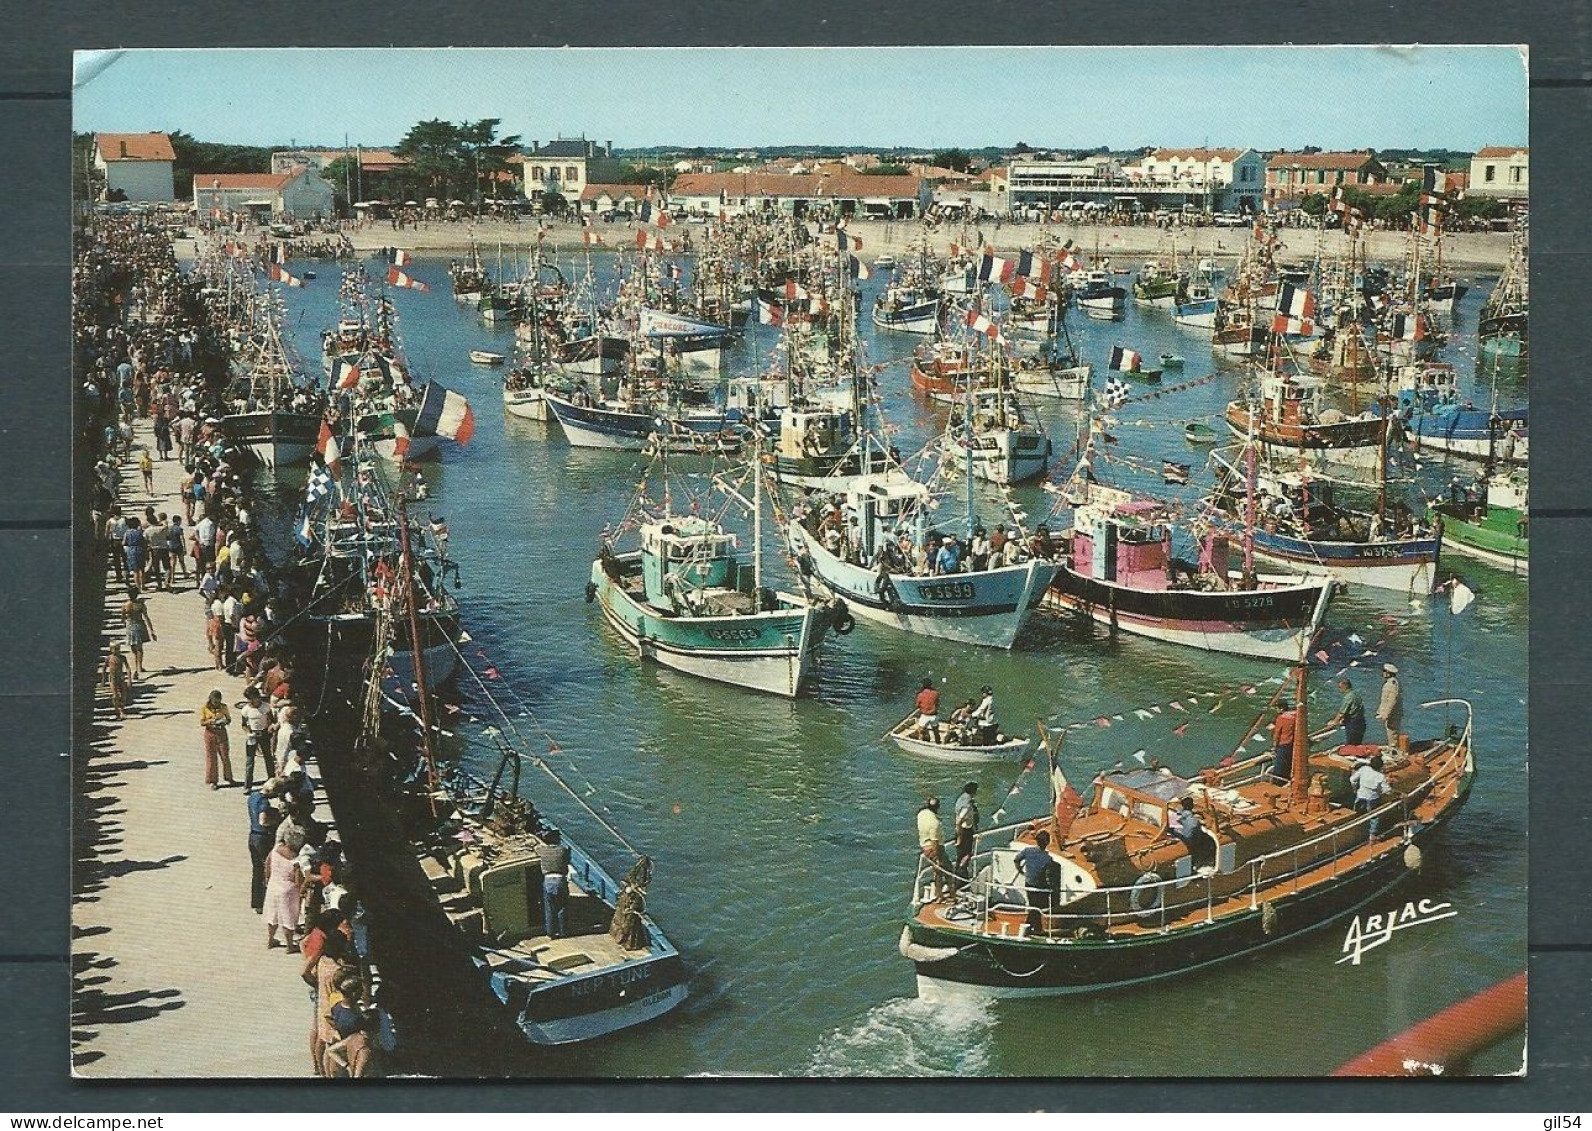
1265	97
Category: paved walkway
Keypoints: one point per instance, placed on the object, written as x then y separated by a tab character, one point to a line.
171	975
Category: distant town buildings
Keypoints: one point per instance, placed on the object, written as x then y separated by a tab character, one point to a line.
1228	179
135	167
849	193
1501	172
300	192
370	160
566	166
1292	176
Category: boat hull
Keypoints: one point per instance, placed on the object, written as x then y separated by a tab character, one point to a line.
528	404
919	318
1197	315
274	439
1008	967
1406	565
775	652
1501	539
1070	384
988	609
1271	624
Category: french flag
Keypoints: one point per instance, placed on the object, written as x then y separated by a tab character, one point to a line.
279	275
1031	266
1124	360
847	243
327	447
982	325
445	413
1296	302
769	313
992	268
397	255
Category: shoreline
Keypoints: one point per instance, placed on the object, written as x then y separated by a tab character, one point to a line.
1126	246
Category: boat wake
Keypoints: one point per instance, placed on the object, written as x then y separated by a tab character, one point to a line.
911	1037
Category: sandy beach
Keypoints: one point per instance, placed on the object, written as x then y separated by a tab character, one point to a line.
1126	246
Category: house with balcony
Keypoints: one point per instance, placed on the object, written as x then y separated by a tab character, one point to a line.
1215	179
1500	172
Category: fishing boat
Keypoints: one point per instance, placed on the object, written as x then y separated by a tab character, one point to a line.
1444	421
1196	432
1135	900
1292	419
1100	297
611	967
485	357
687	600
693	346
630	424
273	417
1055	371
1156	285
469	278
954	748
1196	307
1296	517
884	262
1120	571
1171	361
1501	337
990	431
1490	520
875	576
910	310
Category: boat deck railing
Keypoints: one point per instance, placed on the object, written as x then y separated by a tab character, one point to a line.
987	904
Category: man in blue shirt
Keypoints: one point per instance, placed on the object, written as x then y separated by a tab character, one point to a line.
264	817
1041	877
949	559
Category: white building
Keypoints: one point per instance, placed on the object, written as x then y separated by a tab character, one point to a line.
299	194
1501	172
847	194
567	166
136	166
1231	180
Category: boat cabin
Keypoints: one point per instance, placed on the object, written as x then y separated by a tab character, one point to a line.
682	554
1122	541
808	430
1291	399
883	504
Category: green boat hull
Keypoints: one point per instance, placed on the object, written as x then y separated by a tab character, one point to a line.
1501	537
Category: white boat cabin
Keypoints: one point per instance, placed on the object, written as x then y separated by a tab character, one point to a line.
684	554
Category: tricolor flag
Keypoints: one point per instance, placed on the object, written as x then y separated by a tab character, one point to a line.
1124	360
981	325
445	413
396	255
859	269
1031	266
770	313
589	237
847	243
397	278
1408	327
646	211
279	275
641	239
327	447
306	533
1065	802
1299	327
992	268
1174	472
1296	302
345	374
1022	287
794	290
400	438
664	219
1337	203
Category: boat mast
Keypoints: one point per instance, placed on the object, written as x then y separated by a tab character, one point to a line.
421	692
1249	503
1299	788
757	523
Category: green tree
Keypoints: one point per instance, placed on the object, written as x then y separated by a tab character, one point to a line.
643	175
1480	208
958	159
436	152
1022	147
488	155
1314	204
885	171
554	204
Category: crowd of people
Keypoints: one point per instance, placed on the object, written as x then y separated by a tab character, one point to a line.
835	523
149	348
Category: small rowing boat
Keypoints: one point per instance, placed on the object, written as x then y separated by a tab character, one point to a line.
1171	361
485	357
1196	433
901	734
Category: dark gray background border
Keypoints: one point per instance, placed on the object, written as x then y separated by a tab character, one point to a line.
35	77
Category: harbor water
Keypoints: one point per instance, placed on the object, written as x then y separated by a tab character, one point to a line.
782	832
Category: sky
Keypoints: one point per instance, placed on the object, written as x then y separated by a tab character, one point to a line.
930	98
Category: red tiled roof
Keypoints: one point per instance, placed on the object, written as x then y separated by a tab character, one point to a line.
805	185
615	192
1501	150
267	182
1320	161
135	147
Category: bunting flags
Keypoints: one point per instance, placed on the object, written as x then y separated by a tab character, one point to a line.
279	274
445	413
664	219
400	437
641	239
397	278
1124	360
589	237
770	313
1027	288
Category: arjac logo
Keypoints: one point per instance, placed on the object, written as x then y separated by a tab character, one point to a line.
1371	931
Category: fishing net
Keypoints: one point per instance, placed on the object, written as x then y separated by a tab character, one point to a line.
627	928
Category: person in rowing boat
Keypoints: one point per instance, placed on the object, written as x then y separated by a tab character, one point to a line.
928	704
983	718
961	731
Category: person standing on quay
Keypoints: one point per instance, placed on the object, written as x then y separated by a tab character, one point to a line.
283	884
256	719
214	718
263	820
140	629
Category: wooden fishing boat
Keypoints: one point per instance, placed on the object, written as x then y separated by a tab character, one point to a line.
901	735
485	357
1292	420
1133	900
1196	433
1495	527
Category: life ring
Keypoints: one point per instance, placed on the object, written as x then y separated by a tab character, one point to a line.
1146	894
591	592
